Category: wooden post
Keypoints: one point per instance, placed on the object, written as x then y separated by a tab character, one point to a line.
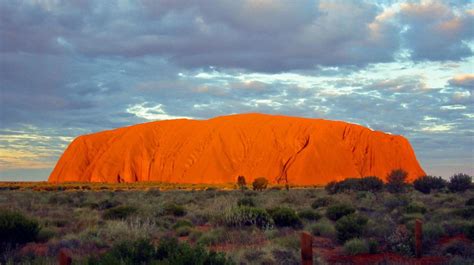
64	258
418	238
306	248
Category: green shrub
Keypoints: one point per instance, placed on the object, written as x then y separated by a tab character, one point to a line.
246	201
432	232
247	216
415	208
396	181
168	251
45	234
174	209
260	184
458	248
350	226
331	187
104	204
136	252
470	202
460	183
119	212
395	201
183	231
16	228
373	246
371	183
356	246
427	183
466	212
153	192
60	198
182	223
453	226
250	193
336	211
469	231
349	184
210	238
194	235
457	260
284	216
410	218
309	214
285	256
324	229
321	202
378	227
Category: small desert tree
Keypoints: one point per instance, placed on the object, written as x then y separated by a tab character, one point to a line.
427	183
260	184
396	181
460	182
241	182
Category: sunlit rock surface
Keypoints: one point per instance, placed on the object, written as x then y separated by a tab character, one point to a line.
283	149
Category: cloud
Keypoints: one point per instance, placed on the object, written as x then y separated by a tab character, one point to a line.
228	34
400	84
435	31
150	112
245	35
463	80
70	68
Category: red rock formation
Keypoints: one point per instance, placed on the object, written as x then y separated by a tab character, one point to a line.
301	151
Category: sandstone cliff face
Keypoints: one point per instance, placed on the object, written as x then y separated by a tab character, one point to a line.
298	150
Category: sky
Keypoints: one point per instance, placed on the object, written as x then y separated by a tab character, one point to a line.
69	68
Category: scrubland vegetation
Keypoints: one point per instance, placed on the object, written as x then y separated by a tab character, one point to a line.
356	218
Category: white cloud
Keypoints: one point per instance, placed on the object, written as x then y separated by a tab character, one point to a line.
145	111
437	128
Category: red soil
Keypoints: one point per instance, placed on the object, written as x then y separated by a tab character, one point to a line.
367	259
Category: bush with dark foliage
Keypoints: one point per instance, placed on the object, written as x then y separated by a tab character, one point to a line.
169	251
247	216
350	226
284	216
309	214
331	187
469	230
371	183
466	212
260	184
321	202
119	212
470	202
460	183
16	228
334	212
427	183
415	208
174	209
246	201
396	181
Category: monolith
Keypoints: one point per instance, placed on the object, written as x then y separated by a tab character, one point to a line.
293	150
